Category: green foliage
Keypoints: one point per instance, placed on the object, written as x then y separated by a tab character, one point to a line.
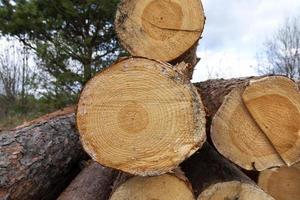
72	38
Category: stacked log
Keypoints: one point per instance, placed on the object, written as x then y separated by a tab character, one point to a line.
248	117
281	183
93	182
213	177
40	158
140	116
162	30
166	187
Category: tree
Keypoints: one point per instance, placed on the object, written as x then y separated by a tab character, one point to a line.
17	79
281	53
72	38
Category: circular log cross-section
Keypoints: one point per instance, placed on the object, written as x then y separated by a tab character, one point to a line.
274	103
140	116
236	136
165	187
159	29
283	183
234	190
258	124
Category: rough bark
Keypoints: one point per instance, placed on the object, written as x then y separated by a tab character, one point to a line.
93	183
206	167
38	159
212	174
214	91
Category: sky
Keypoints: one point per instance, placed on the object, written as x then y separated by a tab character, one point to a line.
234	34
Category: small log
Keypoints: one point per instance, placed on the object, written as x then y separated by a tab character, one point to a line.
40	158
282	183
94	182
140	116
213	177
159	29
236	132
164	187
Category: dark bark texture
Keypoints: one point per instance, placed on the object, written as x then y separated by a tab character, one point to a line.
95	182
214	91
39	158
207	167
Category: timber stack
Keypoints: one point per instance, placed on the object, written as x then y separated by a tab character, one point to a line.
152	134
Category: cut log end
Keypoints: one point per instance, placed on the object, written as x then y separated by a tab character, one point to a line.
283	183
165	29
140	116
237	137
248	127
274	104
233	190
165	187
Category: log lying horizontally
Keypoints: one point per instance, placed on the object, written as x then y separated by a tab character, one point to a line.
39	159
140	116
54	140
283	183
256	121
94	182
159	29
213	177
164	187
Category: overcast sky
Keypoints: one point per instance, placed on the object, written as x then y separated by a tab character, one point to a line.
234	33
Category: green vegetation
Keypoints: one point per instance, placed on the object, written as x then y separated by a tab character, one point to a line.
70	40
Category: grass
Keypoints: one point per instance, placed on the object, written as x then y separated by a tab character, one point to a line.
12	121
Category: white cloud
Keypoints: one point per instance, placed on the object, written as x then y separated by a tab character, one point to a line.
235	31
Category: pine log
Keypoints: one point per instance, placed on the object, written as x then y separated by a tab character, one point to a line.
248	129
140	116
163	187
282	183
40	158
213	178
93	183
160	29
274	104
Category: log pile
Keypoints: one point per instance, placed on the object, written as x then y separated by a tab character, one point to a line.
150	131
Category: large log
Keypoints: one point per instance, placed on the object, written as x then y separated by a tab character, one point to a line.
140	116
282	183
163	187
94	182
213	177
248	116
160	29
38	159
